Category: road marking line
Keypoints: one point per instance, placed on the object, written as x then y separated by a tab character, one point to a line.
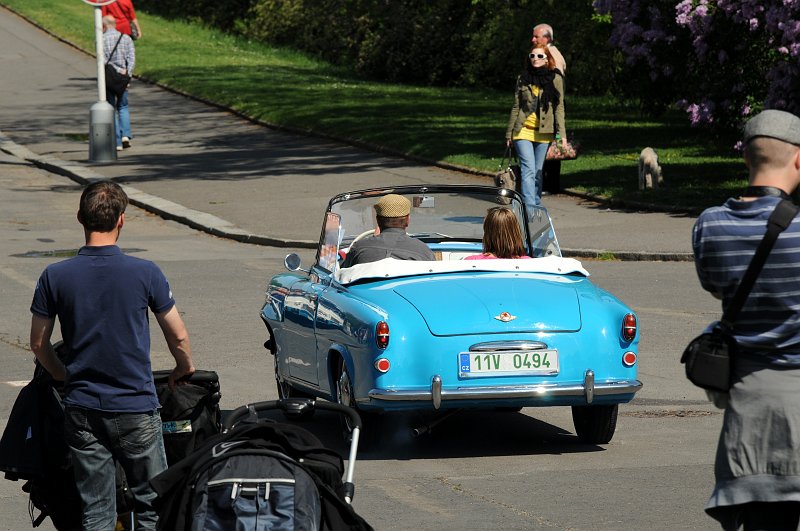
16	277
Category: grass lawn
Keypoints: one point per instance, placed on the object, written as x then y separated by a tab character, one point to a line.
462	126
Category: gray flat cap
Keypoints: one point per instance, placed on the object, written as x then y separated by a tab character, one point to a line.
774	124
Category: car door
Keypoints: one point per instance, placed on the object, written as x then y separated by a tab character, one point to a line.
299	314
302	305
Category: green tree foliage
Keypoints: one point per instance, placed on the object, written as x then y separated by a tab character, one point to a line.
720	60
222	14
447	42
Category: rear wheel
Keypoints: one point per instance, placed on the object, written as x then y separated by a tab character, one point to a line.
595	424
371	423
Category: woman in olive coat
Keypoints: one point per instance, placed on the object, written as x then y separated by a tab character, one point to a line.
536	117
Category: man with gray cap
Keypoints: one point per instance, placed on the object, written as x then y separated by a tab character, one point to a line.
393	213
757	468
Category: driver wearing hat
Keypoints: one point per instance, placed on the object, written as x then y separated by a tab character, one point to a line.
393	213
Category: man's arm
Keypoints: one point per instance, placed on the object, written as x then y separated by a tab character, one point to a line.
177	338
41	331
129	52
561	64
135	22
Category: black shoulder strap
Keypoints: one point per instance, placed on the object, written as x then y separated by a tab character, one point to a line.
778	221
115	48
505	156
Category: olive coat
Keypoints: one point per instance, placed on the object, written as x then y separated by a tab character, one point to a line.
525	102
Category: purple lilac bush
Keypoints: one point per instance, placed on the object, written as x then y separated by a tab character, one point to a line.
718	60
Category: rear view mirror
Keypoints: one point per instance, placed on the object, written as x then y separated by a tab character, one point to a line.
423	201
292	261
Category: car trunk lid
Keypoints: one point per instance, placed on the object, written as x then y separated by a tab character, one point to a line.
495	303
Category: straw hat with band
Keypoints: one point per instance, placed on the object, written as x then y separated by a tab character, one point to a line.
393	206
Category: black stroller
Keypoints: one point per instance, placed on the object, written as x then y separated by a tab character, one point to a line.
259	474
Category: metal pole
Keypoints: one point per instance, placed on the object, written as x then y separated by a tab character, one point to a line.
98	46
102	133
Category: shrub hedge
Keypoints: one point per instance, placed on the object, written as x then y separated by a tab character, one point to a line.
445	42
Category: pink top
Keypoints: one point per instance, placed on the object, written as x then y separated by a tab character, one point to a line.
484	256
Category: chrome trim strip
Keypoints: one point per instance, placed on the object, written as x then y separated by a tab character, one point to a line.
495	346
588	385
616	387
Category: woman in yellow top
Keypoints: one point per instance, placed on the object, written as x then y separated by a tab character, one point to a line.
536	117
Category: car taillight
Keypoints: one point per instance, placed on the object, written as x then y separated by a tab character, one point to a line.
629	327
382	334
629	359
382	365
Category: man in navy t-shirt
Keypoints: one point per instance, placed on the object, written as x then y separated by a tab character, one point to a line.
101	298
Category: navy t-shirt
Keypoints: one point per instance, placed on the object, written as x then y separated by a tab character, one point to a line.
101	298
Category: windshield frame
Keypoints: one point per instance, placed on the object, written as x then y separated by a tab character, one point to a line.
538	220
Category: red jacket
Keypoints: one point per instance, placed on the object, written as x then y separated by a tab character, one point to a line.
122	11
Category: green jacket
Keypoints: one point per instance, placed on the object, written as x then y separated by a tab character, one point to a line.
550	121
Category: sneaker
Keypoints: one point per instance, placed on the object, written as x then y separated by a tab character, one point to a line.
126	142
119	148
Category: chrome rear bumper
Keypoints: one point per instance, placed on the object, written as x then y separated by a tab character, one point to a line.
436	395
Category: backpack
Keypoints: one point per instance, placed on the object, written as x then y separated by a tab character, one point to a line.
224	482
190	414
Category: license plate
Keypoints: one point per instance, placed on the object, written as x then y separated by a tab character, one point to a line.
475	364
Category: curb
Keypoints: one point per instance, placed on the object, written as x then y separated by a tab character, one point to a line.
224	229
162	207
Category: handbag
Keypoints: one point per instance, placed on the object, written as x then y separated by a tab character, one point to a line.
555	151
708	357
115	82
134	31
507	176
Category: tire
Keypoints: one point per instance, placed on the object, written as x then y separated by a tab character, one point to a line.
285	390
595	424
371	423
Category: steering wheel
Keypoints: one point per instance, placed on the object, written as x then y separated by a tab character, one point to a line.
362	236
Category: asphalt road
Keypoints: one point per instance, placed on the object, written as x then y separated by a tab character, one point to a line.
477	471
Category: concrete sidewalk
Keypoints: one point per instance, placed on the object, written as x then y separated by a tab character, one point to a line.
217	172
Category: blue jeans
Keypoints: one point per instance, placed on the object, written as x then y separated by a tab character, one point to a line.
122	116
97	439
531	160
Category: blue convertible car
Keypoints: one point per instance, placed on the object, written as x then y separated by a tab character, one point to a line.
452	333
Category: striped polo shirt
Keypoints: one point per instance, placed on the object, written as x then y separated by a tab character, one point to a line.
724	240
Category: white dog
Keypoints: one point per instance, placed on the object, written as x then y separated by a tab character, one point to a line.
649	170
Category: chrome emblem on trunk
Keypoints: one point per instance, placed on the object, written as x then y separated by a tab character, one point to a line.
505	317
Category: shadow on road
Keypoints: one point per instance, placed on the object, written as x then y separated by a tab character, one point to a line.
465	434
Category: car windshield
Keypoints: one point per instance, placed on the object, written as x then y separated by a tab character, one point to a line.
442	217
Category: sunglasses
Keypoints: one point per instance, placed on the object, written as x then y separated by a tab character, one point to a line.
537	56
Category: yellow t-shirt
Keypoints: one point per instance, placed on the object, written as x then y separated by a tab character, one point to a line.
530	129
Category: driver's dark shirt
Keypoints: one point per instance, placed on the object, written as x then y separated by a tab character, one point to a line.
394	243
